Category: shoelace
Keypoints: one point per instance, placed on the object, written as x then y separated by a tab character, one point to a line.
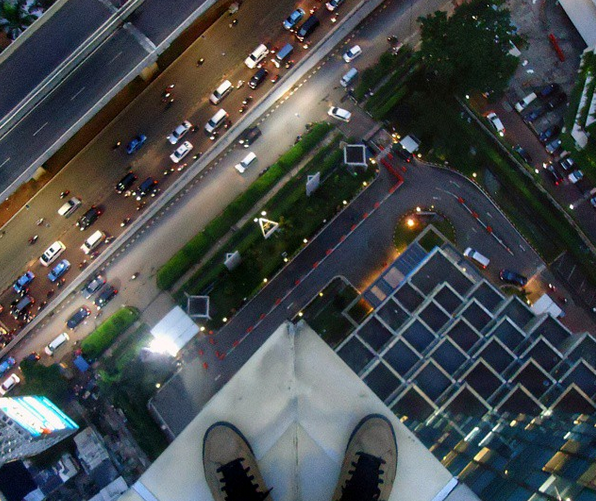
363	485
238	484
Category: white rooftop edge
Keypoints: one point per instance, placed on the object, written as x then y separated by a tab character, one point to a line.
296	402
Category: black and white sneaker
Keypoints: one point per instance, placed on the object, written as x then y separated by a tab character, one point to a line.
231	470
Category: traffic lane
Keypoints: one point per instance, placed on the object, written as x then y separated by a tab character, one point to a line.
39	130
74	22
153	157
158	19
371	242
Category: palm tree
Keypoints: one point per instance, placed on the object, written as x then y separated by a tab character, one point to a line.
14	18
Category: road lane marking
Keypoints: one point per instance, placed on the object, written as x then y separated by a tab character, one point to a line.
39	130
454	183
217	377
115	57
74	97
5	162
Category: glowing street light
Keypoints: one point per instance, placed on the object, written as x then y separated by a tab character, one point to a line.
410	222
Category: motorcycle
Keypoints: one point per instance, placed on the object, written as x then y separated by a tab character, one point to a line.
240	84
40	221
165	96
110	239
64	194
169	103
117	145
83	264
50	293
200	61
42	305
60	283
242	108
124	222
289	64
141	205
247	100
135	276
93	255
33	239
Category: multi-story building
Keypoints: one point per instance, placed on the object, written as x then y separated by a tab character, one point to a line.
30	425
501	395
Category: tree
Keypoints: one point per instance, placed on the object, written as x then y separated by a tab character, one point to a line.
469	51
14	18
44	380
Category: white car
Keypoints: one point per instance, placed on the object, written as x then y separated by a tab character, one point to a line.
179	131
496	123
9	383
575	176
339	113
333	4
181	151
352	54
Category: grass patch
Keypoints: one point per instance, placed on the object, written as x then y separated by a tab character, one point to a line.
372	77
299	217
102	338
324	313
194	250
412	224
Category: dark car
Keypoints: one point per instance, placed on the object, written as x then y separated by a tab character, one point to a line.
523	153
402	152
548	90
554	147
258	78
147	187
307	28
21	306
96	283
126	182
75	320
554	174
136	143
32	357
549	134
89	218
535	114
556	100
249	136
511	277
106	296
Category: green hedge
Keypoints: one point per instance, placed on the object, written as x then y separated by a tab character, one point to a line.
102	338
197	247
299	218
371	77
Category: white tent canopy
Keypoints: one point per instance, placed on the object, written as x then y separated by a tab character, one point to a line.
173	331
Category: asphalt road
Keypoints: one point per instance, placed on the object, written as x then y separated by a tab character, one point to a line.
47	47
92	175
359	258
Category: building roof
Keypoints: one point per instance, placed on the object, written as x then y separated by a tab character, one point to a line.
583	16
280	402
174	330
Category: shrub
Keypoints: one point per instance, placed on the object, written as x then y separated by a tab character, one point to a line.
102	338
197	247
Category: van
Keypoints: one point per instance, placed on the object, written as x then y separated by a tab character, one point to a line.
348	77
256	56
474	255
307	28
258	78
20	309
52	253
525	102
285	51
69	207
245	162
93	241
56	343
216	121
222	91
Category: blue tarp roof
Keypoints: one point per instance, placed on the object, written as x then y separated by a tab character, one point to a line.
81	364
